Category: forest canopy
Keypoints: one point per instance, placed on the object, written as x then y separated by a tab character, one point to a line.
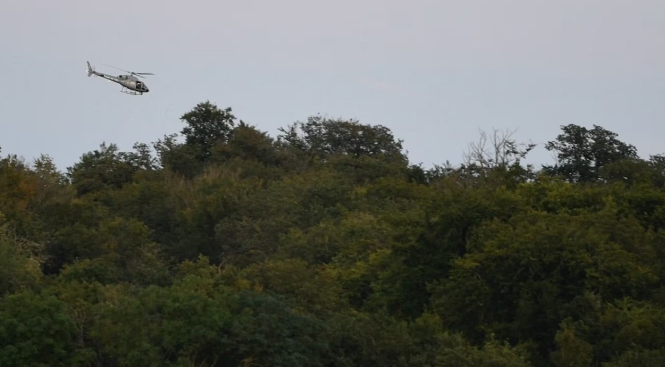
220	245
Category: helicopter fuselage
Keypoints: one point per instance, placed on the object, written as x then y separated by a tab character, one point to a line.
130	84
128	81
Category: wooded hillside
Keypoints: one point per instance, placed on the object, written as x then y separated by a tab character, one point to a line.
324	246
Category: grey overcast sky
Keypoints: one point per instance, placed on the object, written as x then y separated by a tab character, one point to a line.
433	71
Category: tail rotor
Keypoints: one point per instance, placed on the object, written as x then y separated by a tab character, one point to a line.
90	69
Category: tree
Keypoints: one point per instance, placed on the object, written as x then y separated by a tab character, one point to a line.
322	137
207	125
177	157
327	247
581	152
503	151
35	331
100	169
20	262
140	158
47	171
246	142
501	161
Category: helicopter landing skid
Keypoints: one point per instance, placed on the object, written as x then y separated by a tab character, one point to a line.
129	91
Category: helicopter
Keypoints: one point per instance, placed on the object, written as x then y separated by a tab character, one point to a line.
130	84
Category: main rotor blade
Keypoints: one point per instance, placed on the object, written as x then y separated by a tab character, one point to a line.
130	72
127	71
141	74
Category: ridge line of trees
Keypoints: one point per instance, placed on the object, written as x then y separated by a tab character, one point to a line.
325	246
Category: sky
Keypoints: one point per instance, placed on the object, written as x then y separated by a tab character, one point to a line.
435	72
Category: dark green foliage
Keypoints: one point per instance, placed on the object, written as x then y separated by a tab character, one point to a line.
581	152
100	170
322	137
206	126
326	247
35	330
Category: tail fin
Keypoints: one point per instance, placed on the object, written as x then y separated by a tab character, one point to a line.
90	70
